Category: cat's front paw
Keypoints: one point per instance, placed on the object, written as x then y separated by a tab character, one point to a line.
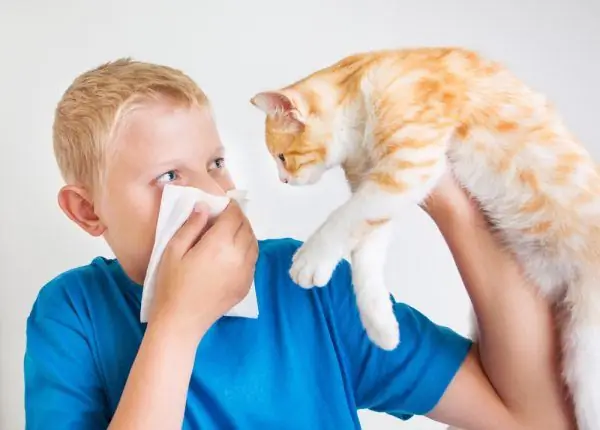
313	264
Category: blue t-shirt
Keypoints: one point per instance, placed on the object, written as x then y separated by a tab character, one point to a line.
305	363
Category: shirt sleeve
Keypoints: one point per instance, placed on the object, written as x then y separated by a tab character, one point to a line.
407	381
62	386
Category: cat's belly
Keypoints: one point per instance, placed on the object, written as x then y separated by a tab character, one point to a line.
548	267
546	259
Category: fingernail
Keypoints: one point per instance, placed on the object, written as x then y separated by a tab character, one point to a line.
201	207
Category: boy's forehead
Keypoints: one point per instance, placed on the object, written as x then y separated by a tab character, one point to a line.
150	133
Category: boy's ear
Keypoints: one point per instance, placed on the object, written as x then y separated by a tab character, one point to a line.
76	203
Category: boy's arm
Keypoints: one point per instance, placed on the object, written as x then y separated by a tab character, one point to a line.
513	373
202	274
509	379
156	389
64	390
62	386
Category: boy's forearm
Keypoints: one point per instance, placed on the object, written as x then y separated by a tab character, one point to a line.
518	348
156	390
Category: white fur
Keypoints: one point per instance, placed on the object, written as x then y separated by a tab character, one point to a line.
372	296
553	263
581	344
341	233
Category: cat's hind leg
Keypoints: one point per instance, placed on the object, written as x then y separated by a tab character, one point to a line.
372	296
581	344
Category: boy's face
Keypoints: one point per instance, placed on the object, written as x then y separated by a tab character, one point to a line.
156	144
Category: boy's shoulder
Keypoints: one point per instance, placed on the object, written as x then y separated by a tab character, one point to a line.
81	279
275	259
77	289
283	248
67	291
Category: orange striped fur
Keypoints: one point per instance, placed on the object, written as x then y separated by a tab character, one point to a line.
395	121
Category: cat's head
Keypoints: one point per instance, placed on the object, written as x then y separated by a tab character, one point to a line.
299	134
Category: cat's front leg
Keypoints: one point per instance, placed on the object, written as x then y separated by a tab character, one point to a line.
370	206
412	160
314	262
372	294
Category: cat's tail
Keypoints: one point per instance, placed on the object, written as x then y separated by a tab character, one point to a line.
581	344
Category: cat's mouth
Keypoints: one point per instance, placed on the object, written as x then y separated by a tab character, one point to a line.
306	177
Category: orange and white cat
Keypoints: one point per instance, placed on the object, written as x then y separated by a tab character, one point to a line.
396	121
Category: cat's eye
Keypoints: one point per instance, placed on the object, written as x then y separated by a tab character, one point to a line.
219	163
281	157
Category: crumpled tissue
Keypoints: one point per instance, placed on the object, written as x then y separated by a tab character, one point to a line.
177	203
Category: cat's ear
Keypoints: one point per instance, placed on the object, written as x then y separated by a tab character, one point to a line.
277	104
272	103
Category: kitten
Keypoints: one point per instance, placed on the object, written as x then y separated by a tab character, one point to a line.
396	121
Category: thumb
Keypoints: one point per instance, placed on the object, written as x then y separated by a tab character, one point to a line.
189	233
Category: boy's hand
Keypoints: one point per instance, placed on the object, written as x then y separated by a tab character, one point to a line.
204	271
449	199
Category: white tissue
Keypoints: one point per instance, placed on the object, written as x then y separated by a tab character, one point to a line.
176	205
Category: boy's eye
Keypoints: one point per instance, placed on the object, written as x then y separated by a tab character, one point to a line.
281	157
169	176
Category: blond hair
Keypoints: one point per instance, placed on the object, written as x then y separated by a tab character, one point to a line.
93	105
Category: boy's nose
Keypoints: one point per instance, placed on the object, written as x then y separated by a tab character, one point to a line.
210	186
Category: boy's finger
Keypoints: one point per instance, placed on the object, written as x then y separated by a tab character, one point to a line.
232	212
244	234
251	252
229	221
188	233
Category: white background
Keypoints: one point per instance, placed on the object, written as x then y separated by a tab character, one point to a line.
234	49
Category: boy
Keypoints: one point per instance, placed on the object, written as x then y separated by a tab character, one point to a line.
125	129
